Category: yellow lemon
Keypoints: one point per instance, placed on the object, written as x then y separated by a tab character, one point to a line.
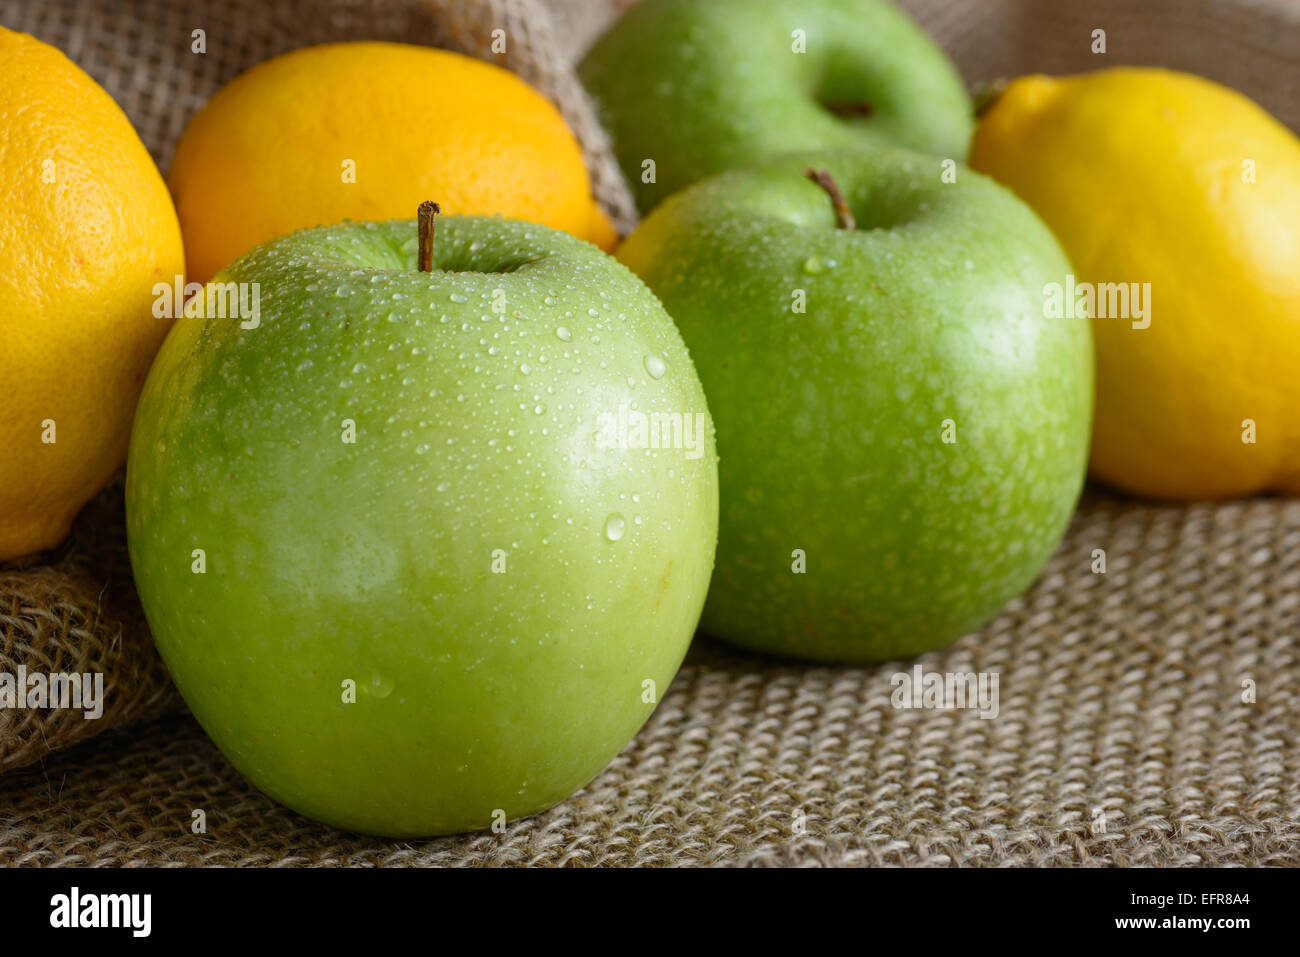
1178	202
87	231
368	131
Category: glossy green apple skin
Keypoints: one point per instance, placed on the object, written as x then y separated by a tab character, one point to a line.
702	87
831	422
372	561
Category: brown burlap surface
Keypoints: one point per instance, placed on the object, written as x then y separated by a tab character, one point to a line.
1148	715
1122	738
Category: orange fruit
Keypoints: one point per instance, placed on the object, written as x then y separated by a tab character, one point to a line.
368	131
88	230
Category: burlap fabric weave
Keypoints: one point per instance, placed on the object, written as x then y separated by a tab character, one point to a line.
1127	733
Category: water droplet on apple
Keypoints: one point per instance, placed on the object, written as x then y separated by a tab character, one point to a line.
563	333
443	486
550	300
813	265
655	366
614	527
422	448
379	686
457	297
525	368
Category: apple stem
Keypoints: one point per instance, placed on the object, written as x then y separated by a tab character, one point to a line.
843	215
425	225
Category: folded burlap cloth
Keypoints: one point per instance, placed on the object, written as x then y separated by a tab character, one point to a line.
1148	715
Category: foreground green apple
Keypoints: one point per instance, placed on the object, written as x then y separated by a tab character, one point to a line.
414	484
689	88
902	434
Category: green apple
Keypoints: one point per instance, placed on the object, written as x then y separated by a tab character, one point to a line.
404	563
689	88
902	434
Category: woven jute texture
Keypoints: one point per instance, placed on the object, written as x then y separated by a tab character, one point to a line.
1148	714
1121	738
78	613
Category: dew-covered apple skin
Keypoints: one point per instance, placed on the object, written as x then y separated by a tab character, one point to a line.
899	458
510	591
696	88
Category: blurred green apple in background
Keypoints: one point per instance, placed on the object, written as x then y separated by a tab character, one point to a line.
398	537
687	88
902	434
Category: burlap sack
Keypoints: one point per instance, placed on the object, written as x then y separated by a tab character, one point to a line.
1122	737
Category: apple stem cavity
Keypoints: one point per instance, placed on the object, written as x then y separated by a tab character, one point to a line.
848	109
843	215
426	222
